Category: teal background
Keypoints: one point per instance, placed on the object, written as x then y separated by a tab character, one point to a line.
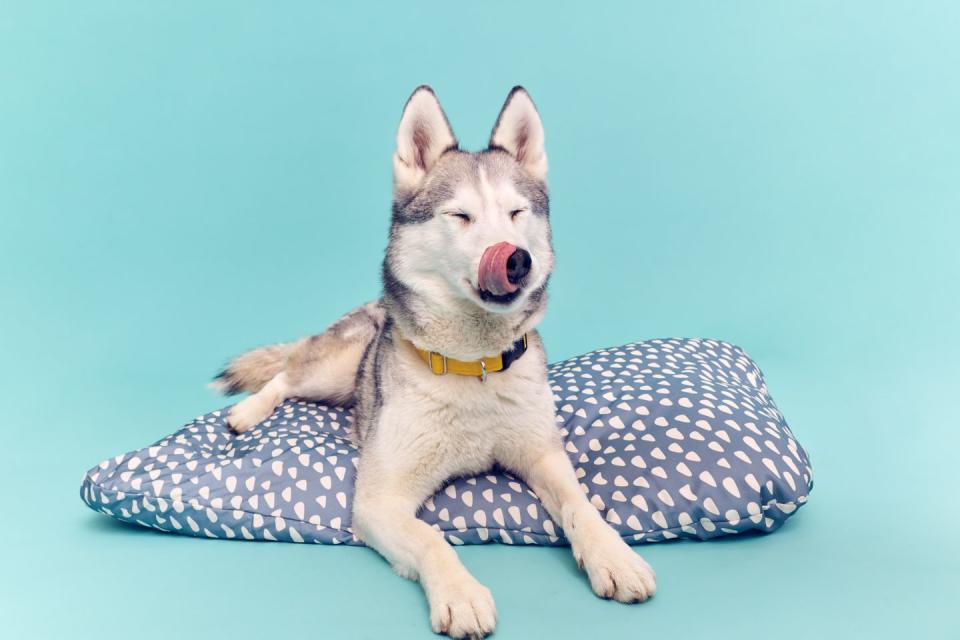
180	181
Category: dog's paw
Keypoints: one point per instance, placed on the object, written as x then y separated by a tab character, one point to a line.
462	608
617	571
247	413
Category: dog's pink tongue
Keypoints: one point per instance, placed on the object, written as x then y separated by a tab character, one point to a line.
493	269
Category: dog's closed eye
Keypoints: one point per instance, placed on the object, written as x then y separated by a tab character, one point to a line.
463	216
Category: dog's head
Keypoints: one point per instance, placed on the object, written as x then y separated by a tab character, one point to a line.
471	226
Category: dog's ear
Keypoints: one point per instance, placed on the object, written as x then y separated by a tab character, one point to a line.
424	135
519	132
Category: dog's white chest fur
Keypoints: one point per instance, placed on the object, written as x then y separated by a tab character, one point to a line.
460	423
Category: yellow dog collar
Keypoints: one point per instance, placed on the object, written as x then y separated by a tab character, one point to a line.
441	364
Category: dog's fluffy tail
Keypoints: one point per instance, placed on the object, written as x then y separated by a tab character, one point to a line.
251	370
322	367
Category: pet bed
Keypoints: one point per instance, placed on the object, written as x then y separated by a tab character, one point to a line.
672	438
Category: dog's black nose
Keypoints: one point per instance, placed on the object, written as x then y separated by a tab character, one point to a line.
518	265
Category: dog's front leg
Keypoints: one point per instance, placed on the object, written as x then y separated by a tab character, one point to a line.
614	569
384	516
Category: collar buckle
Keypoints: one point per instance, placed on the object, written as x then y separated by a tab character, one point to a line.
483	370
438	363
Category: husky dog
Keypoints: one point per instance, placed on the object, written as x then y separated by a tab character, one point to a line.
446	372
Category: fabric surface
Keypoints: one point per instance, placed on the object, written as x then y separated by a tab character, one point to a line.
670	438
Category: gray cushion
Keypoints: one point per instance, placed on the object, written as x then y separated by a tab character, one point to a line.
670	438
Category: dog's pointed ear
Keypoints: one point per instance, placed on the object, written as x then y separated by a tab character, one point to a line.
519	132
423	136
